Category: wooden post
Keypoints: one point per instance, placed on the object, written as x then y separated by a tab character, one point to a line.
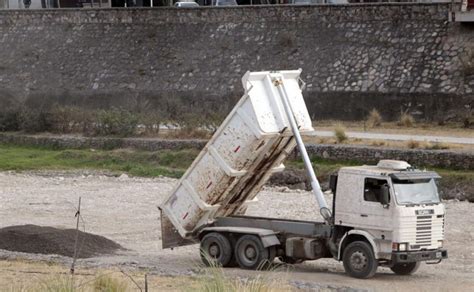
78	215
146	282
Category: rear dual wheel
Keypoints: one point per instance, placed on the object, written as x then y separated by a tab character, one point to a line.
216	250
250	253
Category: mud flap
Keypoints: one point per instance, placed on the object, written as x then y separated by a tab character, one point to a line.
170	237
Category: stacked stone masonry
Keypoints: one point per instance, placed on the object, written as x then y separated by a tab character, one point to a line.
354	57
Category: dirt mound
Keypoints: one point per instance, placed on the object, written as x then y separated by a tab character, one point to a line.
49	240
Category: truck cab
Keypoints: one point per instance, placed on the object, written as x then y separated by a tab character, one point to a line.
393	207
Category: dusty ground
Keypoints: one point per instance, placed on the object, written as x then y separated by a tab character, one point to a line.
124	210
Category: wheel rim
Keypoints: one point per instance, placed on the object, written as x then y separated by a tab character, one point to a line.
214	250
248	253
358	261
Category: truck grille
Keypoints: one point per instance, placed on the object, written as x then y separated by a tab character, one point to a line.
424	225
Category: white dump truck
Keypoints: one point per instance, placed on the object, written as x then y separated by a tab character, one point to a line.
384	215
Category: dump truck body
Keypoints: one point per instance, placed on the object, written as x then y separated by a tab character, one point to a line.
247	148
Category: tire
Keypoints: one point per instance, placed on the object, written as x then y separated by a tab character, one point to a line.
215	249
250	253
359	260
406	268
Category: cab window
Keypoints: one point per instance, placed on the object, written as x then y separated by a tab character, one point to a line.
373	189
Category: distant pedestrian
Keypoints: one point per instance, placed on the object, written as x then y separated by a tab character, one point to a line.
27	3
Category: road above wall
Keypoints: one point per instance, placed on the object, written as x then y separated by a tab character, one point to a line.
399	137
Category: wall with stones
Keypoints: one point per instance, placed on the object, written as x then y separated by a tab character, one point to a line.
354	57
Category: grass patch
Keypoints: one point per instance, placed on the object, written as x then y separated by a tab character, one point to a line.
137	163
171	163
214	279
106	283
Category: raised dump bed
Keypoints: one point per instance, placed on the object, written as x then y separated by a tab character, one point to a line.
247	148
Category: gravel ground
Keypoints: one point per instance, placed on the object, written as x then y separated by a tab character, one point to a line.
125	210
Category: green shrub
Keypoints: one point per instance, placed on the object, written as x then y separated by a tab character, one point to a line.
9	120
62	119
34	120
374	119
468	122
150	123
117	122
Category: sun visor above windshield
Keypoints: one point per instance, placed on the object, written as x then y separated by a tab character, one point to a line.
414	175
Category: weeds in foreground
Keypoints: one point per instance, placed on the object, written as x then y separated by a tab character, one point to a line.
214	279
61	283
66	283
106	283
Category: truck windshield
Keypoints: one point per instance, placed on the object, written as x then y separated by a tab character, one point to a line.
420	191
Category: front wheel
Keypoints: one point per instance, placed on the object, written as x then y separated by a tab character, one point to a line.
406	268
359	260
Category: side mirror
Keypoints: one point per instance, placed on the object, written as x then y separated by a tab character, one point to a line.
385	199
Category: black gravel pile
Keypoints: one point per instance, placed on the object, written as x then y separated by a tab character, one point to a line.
49	240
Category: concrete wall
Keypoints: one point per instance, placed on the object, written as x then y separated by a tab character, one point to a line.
354	58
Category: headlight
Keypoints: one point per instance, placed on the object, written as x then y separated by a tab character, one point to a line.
440	243
399	246
402	247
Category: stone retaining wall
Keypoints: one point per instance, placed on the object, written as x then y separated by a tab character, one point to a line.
354	57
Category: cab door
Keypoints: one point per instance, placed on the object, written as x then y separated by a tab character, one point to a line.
373	213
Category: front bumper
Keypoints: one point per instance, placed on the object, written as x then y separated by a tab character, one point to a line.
419	256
